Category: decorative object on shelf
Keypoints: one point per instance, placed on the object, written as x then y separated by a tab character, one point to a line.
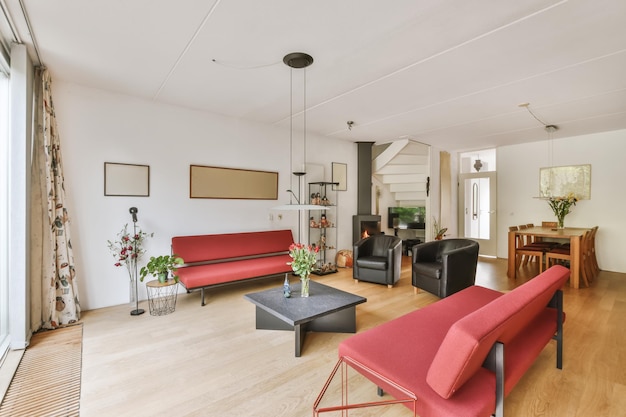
322	231
304	258
127	250
161	267
323	220
286	287
439	231
561	207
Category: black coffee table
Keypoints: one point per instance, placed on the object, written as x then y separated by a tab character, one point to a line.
326	309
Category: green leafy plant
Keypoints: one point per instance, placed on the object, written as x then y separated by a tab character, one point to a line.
160	266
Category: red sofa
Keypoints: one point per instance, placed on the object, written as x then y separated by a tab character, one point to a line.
463	354
219	259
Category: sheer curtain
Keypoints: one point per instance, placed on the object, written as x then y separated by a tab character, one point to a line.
54	293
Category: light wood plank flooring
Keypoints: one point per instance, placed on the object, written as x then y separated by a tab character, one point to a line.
210	361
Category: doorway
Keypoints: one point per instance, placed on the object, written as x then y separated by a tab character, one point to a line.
477	201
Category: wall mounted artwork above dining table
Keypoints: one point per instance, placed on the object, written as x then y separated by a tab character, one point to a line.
565	180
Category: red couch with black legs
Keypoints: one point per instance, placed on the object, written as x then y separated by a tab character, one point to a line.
462	355
220	259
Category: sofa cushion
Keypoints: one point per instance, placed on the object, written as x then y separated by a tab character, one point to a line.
469	340
218	273
373	262
429	269
203	248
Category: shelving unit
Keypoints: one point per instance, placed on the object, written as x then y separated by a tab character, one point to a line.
323	226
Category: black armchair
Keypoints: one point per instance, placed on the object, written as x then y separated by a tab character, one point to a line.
377	259
443	267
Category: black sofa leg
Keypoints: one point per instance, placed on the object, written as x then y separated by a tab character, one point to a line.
202	292
380	391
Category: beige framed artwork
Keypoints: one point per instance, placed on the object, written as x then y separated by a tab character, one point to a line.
340	176
232	183
123	180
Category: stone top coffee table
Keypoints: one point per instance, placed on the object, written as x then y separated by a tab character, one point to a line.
325	310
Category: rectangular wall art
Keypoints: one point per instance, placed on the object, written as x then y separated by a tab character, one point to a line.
340	176
126	180
561	181
232	183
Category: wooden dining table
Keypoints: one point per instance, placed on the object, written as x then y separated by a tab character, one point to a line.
573	234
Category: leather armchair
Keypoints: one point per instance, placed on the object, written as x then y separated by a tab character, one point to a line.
443	267
377	259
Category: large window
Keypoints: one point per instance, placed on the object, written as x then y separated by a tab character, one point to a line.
4	164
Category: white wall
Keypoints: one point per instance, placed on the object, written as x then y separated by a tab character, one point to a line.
518	184
97	127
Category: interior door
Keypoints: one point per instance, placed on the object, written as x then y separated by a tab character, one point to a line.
477	210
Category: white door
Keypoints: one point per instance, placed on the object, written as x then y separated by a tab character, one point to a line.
477	209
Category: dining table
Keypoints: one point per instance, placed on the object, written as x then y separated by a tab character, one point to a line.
572	234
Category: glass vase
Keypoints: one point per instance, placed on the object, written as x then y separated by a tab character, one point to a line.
304	288
133	294
133	289
560	222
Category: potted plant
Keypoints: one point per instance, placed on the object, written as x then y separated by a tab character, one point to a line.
438	231
161	266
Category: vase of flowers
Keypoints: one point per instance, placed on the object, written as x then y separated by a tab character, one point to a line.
304	259
561	207
127	249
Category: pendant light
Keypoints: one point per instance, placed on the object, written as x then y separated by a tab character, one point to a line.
297	60
550	129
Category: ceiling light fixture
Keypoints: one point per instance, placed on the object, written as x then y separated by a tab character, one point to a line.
550	129
297	60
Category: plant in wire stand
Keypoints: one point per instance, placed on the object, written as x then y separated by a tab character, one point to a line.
304	259
561	207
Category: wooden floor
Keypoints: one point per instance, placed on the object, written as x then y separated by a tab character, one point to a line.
210	361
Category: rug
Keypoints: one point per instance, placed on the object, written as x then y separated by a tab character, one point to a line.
47	380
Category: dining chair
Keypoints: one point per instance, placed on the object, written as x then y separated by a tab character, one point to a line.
522	250
562	253
592	241
591	263
536	241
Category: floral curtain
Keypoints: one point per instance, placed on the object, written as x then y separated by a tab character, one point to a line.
54	293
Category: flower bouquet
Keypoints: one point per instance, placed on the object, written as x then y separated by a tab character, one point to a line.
561	207
127	249
304	259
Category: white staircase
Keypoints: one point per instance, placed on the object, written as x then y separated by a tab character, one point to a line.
403	166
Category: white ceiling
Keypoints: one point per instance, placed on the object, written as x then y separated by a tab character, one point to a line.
442	72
